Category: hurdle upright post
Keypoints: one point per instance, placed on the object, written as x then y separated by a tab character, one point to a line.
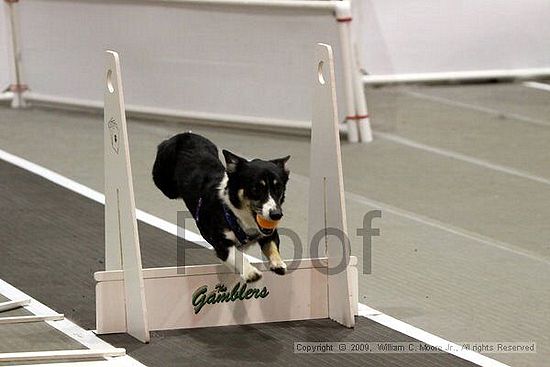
122	250
327	213
319	287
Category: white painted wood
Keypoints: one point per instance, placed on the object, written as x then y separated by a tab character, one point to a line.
60	355
122	250
308	291
30	318
173	271
304	291
344	11
85	337
299	295
10	305
326	191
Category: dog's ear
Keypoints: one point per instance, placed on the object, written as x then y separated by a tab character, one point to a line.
232	161
282	162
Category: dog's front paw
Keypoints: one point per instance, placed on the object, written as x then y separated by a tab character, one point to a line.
278	267
251	274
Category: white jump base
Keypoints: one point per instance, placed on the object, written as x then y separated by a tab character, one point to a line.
301	295
133	300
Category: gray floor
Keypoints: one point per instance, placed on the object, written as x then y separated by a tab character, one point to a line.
60	249
31	337
461	174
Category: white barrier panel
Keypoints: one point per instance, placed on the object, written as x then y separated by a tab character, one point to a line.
427	36
4	59
176	298
232	63
132	300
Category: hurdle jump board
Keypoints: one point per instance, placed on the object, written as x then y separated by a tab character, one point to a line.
177	300
135	300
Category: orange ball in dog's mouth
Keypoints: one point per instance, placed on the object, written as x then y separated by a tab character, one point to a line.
265	223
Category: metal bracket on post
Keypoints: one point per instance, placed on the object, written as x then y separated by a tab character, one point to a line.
122	250
327	213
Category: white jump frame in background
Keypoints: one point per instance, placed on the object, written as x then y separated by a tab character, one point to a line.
357	119
133	300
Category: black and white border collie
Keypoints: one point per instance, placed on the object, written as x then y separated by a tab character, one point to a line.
226	201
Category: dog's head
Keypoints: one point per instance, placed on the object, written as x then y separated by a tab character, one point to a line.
257	188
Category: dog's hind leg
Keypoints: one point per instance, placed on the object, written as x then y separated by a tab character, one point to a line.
236	260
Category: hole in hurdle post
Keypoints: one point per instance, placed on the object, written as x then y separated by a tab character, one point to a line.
320	73
133	300
110	85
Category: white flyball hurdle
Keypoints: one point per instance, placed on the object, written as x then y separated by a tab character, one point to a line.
133	300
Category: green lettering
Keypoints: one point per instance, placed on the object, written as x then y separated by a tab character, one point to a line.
211	298
199	298
264	292
249	293
235	292
223	297
240	291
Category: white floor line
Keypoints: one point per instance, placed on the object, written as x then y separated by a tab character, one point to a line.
85	337
426	220
445	227
537	85
61	355
379	317
426	337
462	157
114	362
487	110
96	196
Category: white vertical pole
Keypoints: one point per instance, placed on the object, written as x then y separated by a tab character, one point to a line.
326	191
122	250
17	86
363	121
343	15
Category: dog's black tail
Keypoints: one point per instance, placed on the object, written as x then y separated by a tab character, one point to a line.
165	167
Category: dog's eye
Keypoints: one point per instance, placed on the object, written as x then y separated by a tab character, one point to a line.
259	188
